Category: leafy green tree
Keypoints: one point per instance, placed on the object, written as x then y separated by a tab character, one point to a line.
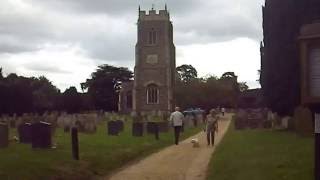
72	101
186	73
1	75
45	94
243	86
228	75
102	83
17	97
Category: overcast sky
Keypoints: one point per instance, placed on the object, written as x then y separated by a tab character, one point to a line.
66	40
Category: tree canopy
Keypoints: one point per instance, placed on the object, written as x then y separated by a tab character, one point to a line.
186	73
101	85
207	92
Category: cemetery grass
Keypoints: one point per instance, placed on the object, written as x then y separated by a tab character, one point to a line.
262	155
99	154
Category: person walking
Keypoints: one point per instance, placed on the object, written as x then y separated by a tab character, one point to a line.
211	126
223	110
176	119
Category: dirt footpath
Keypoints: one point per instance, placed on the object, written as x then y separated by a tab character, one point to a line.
182	162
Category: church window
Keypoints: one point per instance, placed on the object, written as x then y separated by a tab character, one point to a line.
152	37
152	94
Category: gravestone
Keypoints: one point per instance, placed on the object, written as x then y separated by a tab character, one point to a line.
120	125
151	127
41	135
137	129
113	128
241	119
4	135
24	131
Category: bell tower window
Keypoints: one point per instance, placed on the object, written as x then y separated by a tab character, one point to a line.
152	37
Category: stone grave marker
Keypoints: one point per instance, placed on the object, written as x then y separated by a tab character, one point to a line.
241	119
113	128
41	135
151	127
4	135
120	125
137	129
24	131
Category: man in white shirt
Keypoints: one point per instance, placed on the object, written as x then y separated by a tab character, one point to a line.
176	119
223	110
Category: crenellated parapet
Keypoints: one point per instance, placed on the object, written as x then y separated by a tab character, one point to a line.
154	15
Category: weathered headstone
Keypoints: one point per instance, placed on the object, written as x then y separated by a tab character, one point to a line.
113	128
4	135
24	131
151	127
137	129
303	121
41	135
241	119
120	125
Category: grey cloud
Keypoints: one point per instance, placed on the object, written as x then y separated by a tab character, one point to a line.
111	48
220	21
13	48
46	68
23	32
64	21
115	7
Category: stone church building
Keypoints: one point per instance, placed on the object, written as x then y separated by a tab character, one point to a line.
154	71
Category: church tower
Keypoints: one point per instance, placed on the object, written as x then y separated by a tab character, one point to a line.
154	72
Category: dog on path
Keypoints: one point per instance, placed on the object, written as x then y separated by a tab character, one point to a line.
195	142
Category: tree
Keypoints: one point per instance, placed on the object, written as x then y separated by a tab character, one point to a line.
1	75
45	94
101	85
243	86
72	102
186	73
228	75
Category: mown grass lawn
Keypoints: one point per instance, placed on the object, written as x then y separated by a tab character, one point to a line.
262	155
99	155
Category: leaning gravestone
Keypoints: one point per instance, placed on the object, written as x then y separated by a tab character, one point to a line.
137	129
24	131
113	128
4	135
41	135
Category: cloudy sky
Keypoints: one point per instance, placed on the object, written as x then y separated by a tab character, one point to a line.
66	40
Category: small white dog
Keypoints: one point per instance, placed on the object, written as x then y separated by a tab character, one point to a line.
195	143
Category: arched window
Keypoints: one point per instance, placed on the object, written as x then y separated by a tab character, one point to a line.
152	94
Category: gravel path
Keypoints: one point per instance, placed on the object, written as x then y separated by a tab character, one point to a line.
182	162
